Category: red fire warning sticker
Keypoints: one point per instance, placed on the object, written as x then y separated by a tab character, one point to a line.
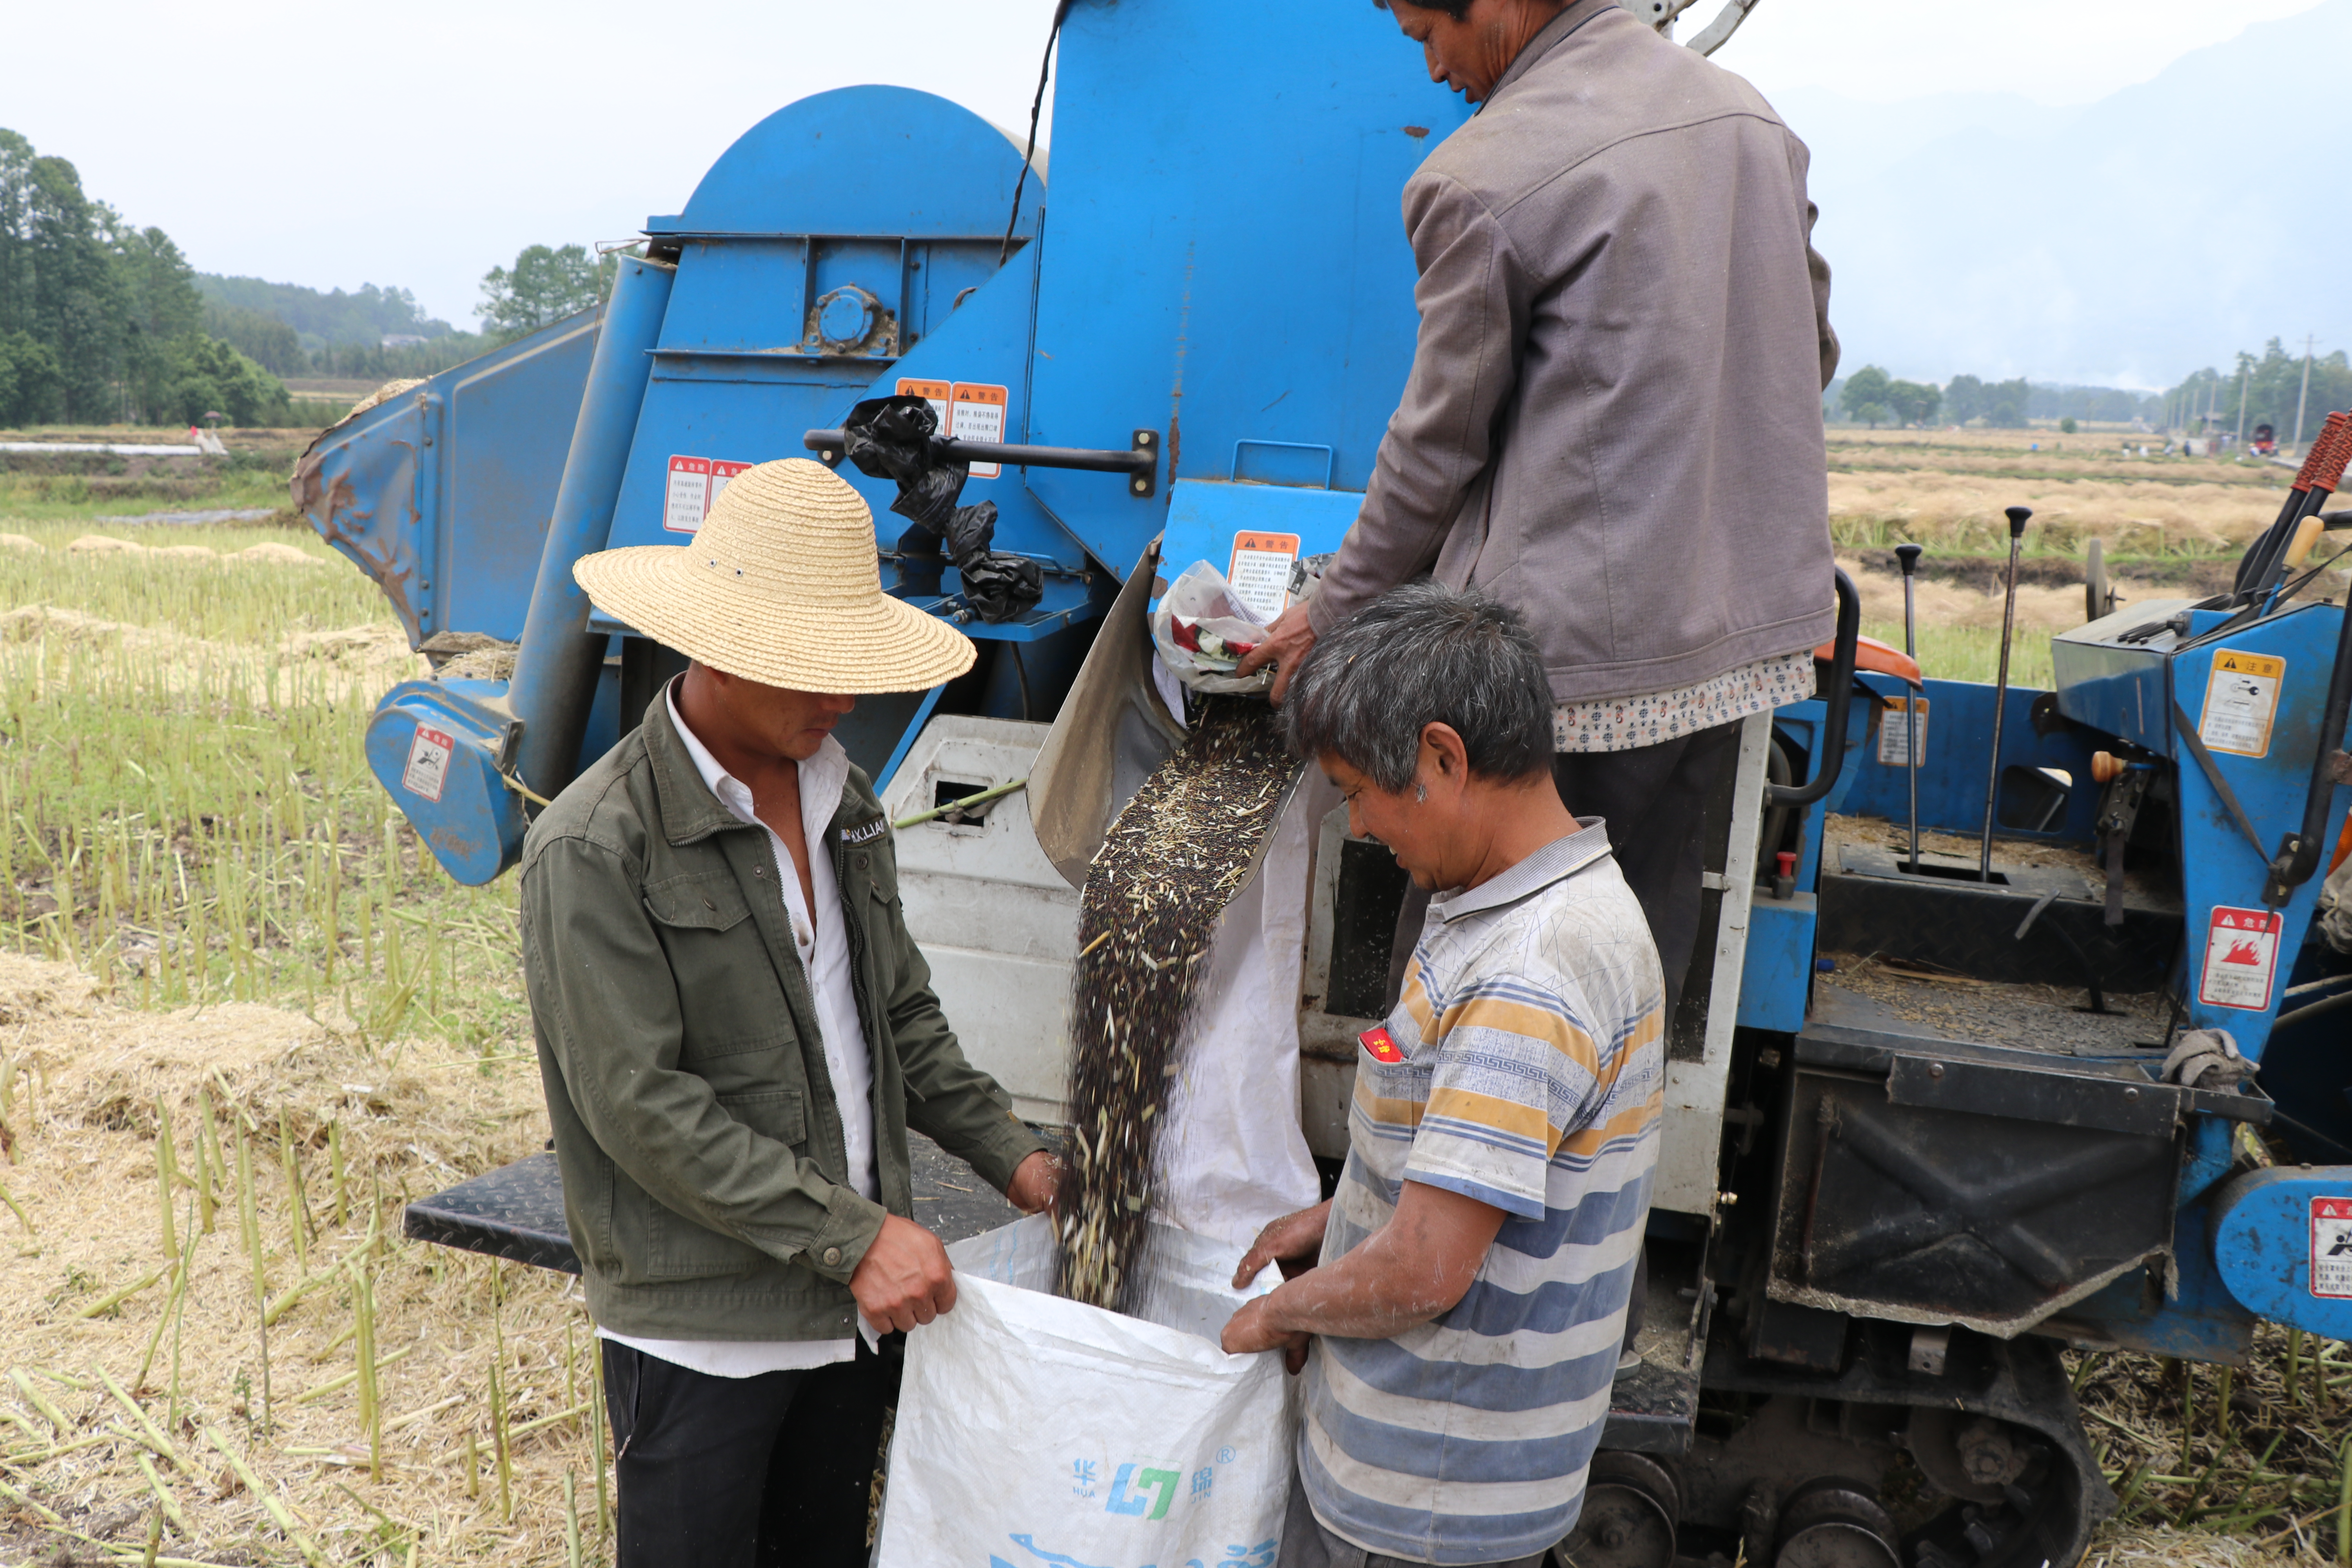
2240	958
428	763
1382	1048
2331	1248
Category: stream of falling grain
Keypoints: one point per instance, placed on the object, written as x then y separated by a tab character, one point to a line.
1175	858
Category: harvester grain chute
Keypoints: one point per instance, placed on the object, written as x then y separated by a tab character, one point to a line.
1887	1201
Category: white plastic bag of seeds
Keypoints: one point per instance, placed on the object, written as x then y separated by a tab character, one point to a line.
1202	631
1035	1431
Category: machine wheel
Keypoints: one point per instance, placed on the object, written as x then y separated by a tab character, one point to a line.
2099	598
1631	1503
1973	1457
1828	1523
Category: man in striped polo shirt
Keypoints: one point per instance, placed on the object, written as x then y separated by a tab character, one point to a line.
1458	1306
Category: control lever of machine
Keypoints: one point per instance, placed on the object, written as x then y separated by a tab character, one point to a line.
2018	517
1908	555
2299	851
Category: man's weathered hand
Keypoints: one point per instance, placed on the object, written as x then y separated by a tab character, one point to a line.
1253	1329
1036	1185
903	1279
1293	1242
1288	643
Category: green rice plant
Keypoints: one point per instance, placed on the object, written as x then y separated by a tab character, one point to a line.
298	1206
1973	653
249	1230
371	1402
186	810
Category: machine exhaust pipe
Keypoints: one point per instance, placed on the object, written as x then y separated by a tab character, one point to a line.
557	664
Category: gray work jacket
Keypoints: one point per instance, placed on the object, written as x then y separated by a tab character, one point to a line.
1613	421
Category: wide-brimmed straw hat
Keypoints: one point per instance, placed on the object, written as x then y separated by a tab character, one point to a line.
782	586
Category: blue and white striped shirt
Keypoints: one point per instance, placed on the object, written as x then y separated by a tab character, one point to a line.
1531	1077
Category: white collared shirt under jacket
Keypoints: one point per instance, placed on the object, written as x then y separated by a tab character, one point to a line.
823	946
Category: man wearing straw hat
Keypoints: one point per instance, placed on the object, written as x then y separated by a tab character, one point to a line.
735	1032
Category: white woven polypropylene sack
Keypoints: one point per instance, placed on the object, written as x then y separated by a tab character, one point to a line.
1034	1432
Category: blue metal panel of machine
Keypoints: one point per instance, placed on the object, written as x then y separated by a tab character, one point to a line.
1223	523
2113	685
1225	257
2254	699
845	244
1956	730
437	753
2282	1240
441	495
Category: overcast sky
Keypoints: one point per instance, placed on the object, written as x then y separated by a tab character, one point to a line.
420	144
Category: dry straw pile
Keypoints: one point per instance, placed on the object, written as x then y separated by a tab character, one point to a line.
215	1346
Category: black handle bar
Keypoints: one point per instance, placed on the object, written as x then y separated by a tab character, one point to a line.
1141	461
2299	852
1840	698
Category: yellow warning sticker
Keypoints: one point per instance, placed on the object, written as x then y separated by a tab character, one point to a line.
2241	700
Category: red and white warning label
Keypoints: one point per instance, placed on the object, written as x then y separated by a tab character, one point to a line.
2241	959
2331	1248
428	763
967	410
1260	572
720	472
977	413
935	392
1894	731
688	495
693	489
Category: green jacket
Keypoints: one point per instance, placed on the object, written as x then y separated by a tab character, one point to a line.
694	1119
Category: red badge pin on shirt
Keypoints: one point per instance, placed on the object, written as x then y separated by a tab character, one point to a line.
1383	1048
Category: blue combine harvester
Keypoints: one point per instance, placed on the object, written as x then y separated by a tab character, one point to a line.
1920	1131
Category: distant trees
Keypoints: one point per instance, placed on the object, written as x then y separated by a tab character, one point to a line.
1864	398
99	320
1913	403
2001	404
1875	398
367	316
268	342
32	391
545	285
2271	384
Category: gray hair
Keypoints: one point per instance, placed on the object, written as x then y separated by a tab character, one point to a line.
1424	653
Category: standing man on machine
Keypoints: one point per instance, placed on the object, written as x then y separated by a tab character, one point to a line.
1613	421
735	1032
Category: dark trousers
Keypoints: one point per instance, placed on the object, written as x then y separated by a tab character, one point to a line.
743	1472
1654	798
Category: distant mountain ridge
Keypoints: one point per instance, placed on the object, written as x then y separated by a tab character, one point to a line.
2125	242
365	317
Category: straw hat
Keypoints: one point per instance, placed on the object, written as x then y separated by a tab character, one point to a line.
782	586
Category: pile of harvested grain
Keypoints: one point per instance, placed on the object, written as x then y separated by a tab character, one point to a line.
270	552
1175	858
